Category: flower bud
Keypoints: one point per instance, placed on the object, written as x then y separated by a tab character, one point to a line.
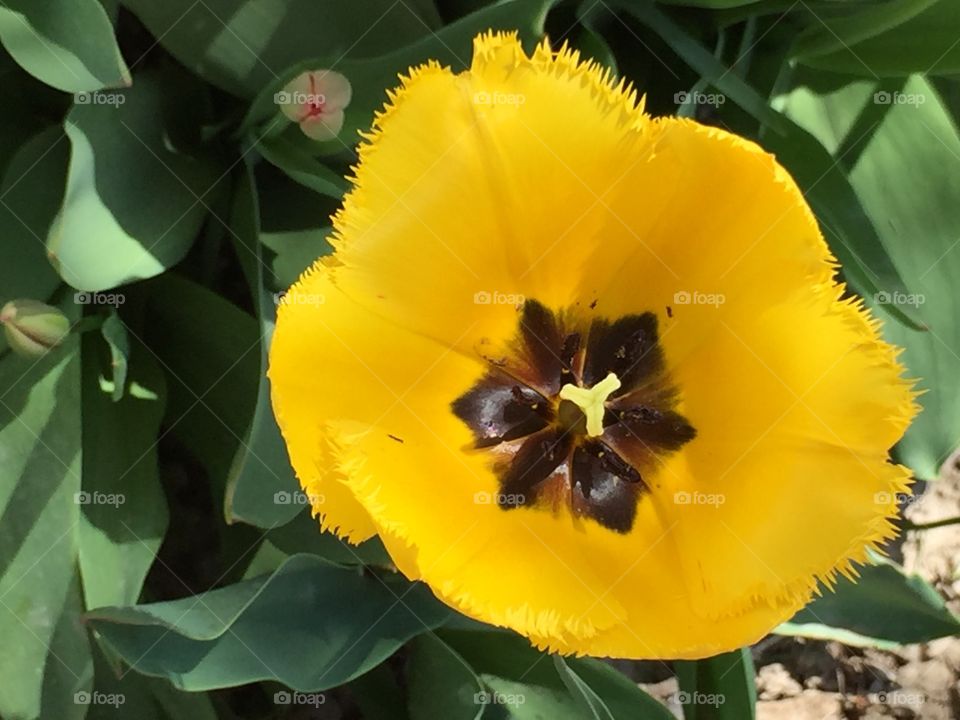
33	328
316	100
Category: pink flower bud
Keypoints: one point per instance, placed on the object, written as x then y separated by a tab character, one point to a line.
316	100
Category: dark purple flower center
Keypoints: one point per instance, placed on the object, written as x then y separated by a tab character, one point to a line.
541	450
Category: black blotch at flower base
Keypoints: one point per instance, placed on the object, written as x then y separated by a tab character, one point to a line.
541	452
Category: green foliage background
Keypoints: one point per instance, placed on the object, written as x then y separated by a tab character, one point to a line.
164	224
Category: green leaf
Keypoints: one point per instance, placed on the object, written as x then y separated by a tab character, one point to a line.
31	193
525	684
302	535
620	694
133	205
522	701
301	167
124	514
440	683
370	78
877	139
884	609
309	625
241	45
703	61
144	698
46	658
114	333
25	102
68	44
261	487
891	40
294	252
378	694
718	688
210	349
582	693
712	4
845	225
833	33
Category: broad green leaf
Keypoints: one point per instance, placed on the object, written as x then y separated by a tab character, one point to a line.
261	487
124	512
210	349
301	167
241	45
504	698
45	659
917	37
371	78
718	688
588	700
845	225
379	695
830	34
309	625
620	694
131	695
526	684
302	535
883	134
440	683
68	44
30	198
294	252
133	204
68	667
885	609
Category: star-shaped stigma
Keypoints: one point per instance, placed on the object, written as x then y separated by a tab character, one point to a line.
576	413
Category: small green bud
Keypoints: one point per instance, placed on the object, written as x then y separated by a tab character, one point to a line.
33	328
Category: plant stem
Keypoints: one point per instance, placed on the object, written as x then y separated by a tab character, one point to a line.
907	525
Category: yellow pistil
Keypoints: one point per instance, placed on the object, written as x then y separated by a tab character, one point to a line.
591	401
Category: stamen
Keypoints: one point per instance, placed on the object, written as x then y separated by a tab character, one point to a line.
591	401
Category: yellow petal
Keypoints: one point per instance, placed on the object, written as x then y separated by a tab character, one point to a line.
539	179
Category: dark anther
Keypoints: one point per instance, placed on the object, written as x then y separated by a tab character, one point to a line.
542	341
535	461
627	347
568	354
545	452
